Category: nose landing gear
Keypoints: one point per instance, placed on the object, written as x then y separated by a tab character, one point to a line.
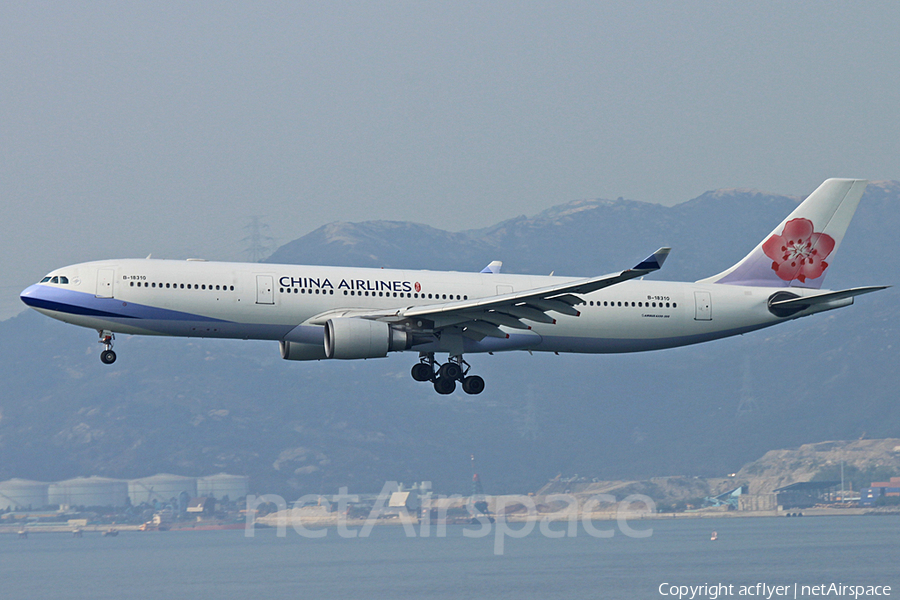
107	357
444	380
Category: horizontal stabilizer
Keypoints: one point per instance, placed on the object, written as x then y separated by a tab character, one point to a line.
827	297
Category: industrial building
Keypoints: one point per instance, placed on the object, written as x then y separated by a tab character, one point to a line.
222	485
806	494
160	488
88	491
23	494
101	491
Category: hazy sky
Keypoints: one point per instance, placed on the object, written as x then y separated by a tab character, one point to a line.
131	128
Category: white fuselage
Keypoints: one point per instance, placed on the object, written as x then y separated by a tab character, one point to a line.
278	302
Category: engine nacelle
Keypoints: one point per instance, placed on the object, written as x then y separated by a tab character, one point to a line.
301	351
349	338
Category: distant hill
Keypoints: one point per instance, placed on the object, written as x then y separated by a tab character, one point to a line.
196	407
584	237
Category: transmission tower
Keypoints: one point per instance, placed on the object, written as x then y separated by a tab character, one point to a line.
478	499
260	243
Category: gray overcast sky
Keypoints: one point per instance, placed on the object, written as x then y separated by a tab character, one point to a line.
131	128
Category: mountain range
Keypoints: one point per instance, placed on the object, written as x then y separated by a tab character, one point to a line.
196	407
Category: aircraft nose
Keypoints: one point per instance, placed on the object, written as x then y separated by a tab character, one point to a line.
31	295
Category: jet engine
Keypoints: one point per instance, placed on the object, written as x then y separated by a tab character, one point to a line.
349	338
301	351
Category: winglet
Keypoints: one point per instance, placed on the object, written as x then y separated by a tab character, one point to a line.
494	267
654	261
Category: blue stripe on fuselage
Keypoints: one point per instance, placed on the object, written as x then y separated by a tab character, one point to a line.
47	297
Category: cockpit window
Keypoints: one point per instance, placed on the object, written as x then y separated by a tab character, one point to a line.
55	279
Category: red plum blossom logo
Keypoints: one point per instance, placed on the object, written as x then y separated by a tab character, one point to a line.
799	252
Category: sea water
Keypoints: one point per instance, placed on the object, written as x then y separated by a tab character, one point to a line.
388	563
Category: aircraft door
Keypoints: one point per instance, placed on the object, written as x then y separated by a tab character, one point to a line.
703	304
105	279
265	289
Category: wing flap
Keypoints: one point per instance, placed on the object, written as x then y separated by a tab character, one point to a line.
485	329
523	311
499	318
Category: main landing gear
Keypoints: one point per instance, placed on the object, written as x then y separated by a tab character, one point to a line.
445	378
107	357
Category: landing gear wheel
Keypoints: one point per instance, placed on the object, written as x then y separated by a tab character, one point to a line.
107	357
473	384
422	372
443	385
450	370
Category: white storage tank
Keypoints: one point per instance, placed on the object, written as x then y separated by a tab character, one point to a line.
23	494
223	484
89	491
160	488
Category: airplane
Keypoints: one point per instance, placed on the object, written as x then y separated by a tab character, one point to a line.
345	313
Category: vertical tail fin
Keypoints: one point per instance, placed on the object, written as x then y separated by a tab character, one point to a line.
797	252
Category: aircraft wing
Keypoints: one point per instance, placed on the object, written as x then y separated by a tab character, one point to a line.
481	317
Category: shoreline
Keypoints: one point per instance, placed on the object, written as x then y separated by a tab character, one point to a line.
275	520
